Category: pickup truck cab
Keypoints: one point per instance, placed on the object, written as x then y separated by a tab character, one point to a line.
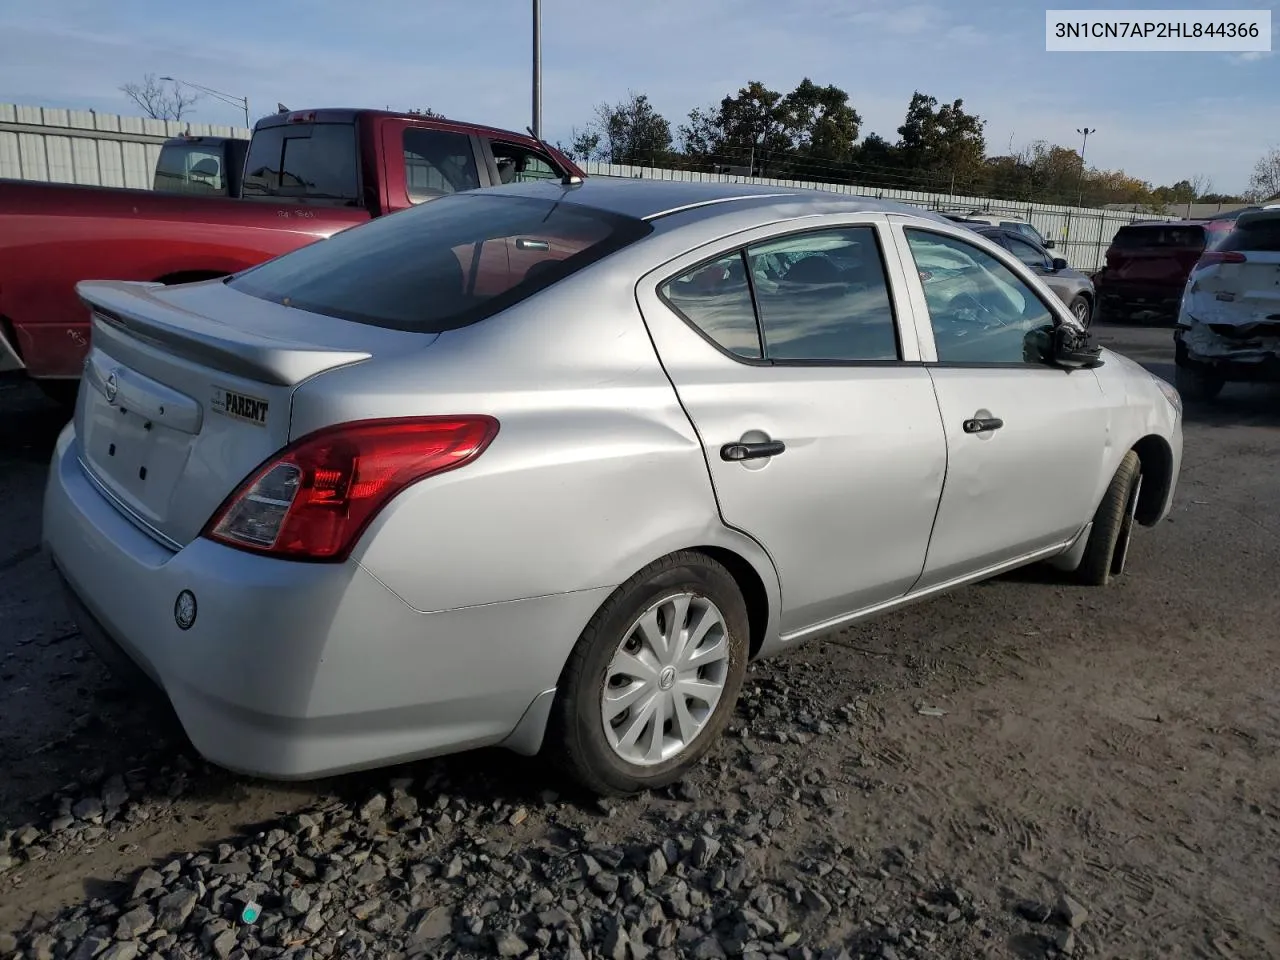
307	175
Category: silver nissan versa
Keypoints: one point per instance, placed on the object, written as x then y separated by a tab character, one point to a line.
545	465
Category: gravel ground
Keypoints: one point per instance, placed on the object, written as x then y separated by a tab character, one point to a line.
1022	769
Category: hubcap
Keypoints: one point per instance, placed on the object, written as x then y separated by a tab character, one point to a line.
1082	313
665	679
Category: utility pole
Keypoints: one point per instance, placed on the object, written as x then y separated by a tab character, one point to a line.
537	68
1084	132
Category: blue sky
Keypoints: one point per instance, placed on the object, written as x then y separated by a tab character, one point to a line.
1159	116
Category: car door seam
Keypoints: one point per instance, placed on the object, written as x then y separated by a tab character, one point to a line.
946	469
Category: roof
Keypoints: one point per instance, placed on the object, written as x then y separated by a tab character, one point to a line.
1165	223
350	114
649	198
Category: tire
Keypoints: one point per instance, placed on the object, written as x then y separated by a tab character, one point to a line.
592	750
61	392
1108	545
1081	310
1195	384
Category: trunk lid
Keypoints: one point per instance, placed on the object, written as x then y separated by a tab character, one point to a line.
187	389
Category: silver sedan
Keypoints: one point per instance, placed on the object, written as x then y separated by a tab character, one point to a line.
546	465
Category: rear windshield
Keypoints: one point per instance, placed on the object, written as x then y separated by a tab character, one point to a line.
190	168
1148	238
315	160
1261	235
444	264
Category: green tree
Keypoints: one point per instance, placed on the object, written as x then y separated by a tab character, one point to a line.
1264	183
822	125
630	131
942	142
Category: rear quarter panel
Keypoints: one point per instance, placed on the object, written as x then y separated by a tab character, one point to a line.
54	235
595	471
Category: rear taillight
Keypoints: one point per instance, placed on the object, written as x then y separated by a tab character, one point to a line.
1211	257
314	499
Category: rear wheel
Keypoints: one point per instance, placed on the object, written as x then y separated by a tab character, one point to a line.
1108	546
653	679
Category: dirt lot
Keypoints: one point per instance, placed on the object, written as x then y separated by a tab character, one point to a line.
1118	746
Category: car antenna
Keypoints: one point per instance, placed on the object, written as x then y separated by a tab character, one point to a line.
569	179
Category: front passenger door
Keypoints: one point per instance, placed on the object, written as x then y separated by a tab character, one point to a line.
1025	440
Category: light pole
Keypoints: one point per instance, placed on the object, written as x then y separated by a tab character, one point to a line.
1084	132
537	69
242	102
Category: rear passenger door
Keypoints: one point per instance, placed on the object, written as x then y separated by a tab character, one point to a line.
793	355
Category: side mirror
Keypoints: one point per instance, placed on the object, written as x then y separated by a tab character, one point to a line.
1059	263
1048	244
1074	348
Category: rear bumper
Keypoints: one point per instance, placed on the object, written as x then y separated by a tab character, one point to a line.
1137	297
1239	362
295	670
53	351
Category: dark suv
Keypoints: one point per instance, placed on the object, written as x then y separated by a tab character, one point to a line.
1147	268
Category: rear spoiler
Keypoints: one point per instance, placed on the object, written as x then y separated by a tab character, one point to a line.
128	306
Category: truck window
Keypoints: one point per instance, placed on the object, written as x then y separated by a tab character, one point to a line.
519	164
437	162
317	161
189	168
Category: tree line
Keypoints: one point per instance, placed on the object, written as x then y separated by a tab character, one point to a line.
815	133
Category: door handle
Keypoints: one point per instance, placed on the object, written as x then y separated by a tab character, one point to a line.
734	452
982	425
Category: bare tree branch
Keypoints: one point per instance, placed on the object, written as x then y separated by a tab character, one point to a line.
160	101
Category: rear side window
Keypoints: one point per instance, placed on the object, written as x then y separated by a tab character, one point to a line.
441	265
1157	237
716	298
1261	235
316	161
823	296
819	297
438	162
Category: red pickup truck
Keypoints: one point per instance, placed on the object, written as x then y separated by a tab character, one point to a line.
307	175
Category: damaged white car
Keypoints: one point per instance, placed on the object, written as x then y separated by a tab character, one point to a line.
1229	322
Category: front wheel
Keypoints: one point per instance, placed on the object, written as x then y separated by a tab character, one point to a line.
1108	545
1081	310
1195	384
653	679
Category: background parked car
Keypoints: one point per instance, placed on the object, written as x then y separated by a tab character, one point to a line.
1147	267
1229	323
402	493
1022	227
1072	287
